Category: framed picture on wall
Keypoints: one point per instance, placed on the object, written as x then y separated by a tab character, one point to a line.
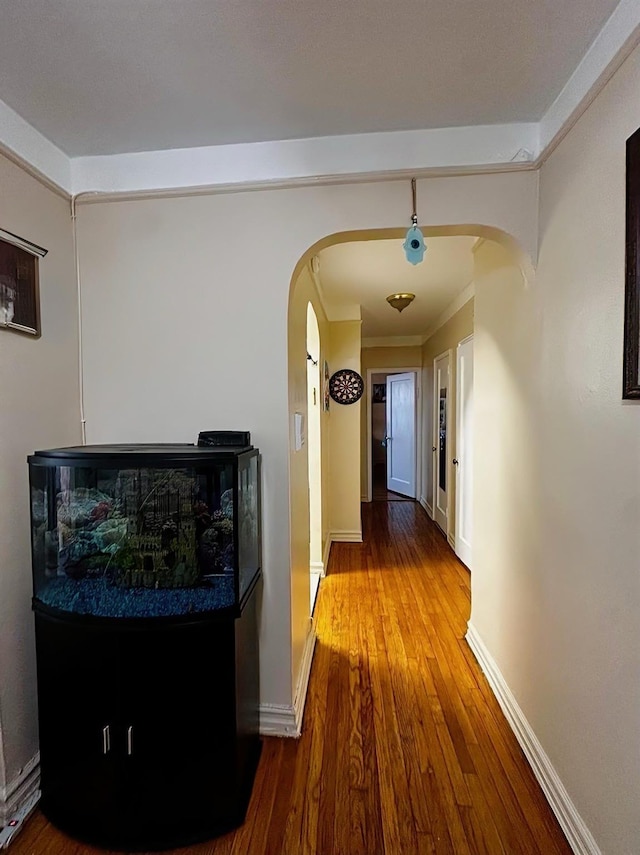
631	369
19	291
379	393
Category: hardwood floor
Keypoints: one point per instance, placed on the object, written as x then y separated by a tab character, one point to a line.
404	749
379	492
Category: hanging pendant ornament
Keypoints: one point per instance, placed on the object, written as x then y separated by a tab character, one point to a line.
414	245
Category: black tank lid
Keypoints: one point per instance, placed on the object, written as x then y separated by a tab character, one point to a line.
149	452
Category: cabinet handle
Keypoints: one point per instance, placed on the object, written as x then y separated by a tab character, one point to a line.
106	740
130	740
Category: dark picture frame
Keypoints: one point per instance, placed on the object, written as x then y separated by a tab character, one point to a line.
19	284
325	387
379	393
631	361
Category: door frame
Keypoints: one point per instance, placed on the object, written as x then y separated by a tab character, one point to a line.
435	439
459	426
418	423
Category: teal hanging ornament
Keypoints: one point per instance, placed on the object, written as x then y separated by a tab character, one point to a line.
414	245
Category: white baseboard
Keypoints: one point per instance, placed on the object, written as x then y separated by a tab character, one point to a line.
286	720
18	791
326	553
300	696
277	720
317	568
18	819
423	502
354	536
580	838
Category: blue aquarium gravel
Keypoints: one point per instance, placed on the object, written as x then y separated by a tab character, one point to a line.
98	597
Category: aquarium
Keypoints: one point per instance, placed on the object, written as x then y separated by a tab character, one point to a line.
143	531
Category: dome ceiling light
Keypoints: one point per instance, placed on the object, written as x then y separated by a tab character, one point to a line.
400	301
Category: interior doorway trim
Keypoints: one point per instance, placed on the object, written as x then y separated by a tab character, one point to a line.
435	442
369	387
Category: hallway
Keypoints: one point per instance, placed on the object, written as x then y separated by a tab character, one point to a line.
404	748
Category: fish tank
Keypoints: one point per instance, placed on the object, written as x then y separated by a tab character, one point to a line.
144	531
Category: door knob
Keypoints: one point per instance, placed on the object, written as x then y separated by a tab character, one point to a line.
455	461
433	448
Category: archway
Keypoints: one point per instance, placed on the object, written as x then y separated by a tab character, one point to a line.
516	265
499	251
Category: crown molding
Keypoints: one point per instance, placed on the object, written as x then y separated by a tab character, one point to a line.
308	160
28	148
393	341
454	306
327	160
96	196
613	44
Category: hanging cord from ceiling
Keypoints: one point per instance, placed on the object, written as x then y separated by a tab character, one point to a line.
414	197
76	258
414	245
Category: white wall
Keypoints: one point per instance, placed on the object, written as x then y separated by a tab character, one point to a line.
344	438
185	320
38	409
506	607
556	586
590	452
303	292
185	316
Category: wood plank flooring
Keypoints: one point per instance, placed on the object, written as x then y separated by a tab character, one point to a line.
405	750
379	492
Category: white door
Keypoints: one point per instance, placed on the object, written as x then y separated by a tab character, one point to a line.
440	444
401	433
464	450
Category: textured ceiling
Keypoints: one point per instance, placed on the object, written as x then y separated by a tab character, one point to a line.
109	76
364	273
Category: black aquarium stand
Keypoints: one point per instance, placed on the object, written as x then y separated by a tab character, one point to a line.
148	728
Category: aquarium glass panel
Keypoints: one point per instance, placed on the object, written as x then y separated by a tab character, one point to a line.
40	525
248	521
214	522
135	542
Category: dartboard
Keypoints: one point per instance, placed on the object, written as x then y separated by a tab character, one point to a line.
346	386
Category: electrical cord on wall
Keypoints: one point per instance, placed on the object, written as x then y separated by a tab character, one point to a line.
76	257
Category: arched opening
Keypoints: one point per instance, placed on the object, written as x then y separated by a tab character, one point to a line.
345	467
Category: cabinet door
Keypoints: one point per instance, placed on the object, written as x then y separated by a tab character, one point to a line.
180	726
77	695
